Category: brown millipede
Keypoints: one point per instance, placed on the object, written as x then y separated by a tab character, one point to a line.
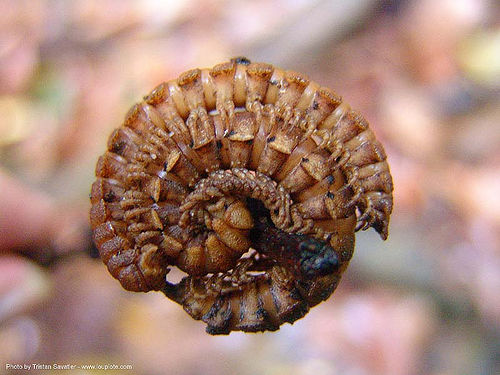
250	179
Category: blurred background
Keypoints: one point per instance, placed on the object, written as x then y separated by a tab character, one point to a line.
425	73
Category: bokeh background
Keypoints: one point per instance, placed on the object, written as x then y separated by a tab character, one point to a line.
425	73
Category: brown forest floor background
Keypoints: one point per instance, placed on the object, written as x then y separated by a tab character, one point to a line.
426	74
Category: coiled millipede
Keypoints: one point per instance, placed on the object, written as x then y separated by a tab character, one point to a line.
250	179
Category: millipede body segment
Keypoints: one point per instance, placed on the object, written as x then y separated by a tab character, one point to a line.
250	179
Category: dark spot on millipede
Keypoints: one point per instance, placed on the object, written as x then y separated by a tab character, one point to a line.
346	255
276	211
337	159
305	160
250	142
271	139
232	132
315	105
109	197
261	313
241	60
330	195
210	314
165	166
216	330
295	294
273	82
118	147
219	144
191	144
330	179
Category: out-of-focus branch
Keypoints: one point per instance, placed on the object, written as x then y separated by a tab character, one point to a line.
32	223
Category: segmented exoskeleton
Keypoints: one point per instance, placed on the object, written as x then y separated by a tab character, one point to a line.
208	161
